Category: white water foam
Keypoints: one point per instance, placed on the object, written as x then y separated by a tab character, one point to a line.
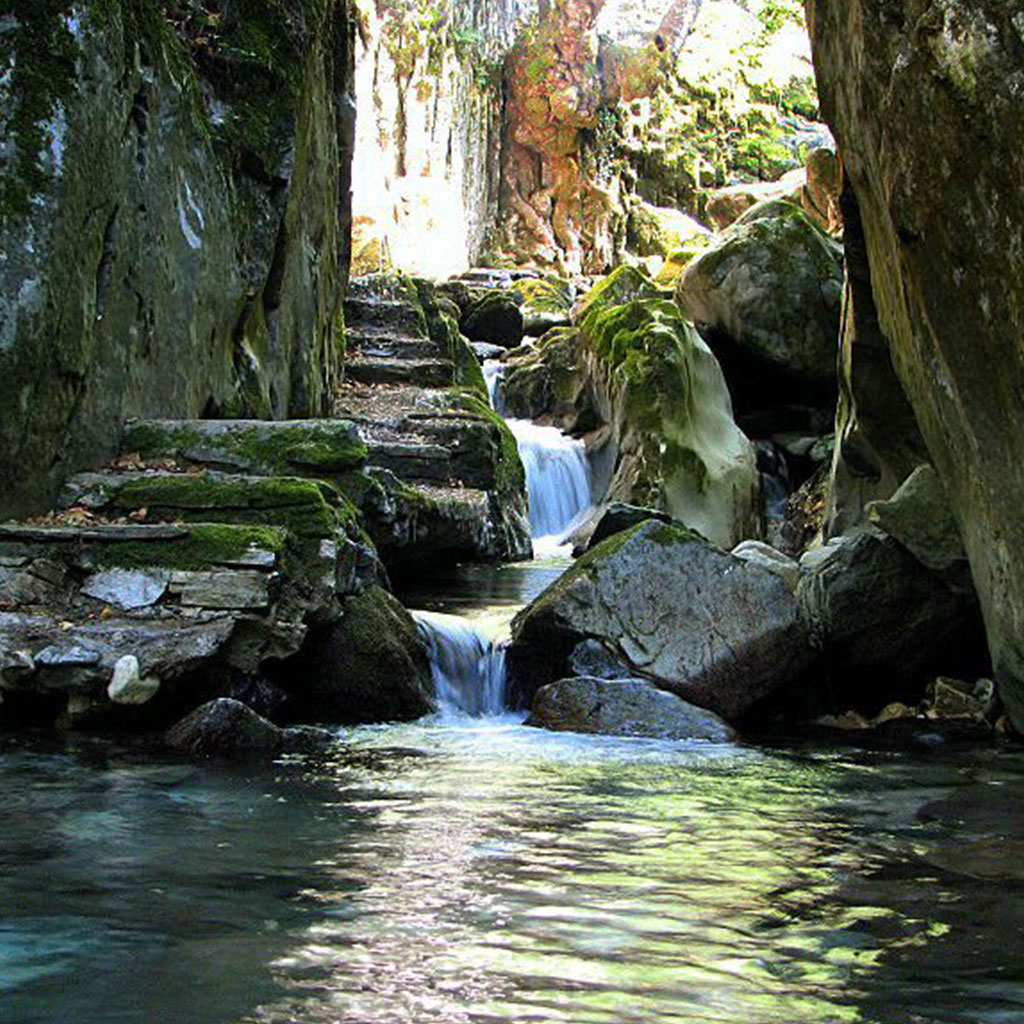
467	664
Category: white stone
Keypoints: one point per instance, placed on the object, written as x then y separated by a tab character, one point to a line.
127	685
759	553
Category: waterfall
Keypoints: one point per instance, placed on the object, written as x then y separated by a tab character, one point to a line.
558	474
467	665
558	478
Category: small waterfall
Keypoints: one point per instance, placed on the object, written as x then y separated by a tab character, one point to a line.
467	665
558	478
558	475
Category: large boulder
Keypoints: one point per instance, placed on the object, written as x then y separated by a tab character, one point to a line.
494	318
370	666
671	442
905	87
623	707
715	630
883	622
769	293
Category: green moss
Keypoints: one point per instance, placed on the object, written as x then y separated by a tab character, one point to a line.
544	294
39	53
205	546
621	286
298	505
323	448
510	477
444	331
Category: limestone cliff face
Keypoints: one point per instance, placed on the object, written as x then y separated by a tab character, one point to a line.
926	98
427	171
173	219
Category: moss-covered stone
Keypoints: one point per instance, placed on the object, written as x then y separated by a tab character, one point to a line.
621	286
205	546
298	505
317	447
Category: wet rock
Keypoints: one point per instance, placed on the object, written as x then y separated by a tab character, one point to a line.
769	293
718	632
371	666
127	685
225	727
623	707
496	319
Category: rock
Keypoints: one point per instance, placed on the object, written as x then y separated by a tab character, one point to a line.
548	379
623	707
671	441
592	658
619	516
939	209
758	553
369	667
769	291
180	246
658	231
224	727
918	515
126	588
546	303
882	621
127	685
496	319
718	632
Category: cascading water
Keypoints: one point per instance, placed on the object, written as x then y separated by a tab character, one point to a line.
467	662
558	475
467	665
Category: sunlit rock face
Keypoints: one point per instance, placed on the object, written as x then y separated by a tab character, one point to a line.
926	99
426	174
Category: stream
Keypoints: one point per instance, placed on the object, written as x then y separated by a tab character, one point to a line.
467	869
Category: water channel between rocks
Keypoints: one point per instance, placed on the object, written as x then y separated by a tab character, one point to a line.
467	869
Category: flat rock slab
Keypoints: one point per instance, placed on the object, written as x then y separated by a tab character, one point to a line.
128	589
259	447
715	630
624	707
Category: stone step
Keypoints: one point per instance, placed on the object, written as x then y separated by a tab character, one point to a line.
316	448
308	508
427	373
389	314
388	345
412	460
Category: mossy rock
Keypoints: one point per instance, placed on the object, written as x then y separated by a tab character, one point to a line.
370	666
772	288
621	286
495	319
547	378
307	508
509	476
315	447
548	294
205	546
671	414
444	331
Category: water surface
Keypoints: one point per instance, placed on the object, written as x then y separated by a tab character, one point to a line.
482	871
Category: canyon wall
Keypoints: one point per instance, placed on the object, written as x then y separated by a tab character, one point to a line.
926	98
174	203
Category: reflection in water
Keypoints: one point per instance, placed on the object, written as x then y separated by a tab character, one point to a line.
488	872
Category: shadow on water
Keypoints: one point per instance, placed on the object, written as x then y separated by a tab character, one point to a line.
480	871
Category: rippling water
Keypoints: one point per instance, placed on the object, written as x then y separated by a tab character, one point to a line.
487	872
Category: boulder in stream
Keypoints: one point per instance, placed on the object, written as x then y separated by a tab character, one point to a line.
715	630
623	707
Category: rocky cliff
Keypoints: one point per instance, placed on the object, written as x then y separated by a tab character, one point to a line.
173	219
924	97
